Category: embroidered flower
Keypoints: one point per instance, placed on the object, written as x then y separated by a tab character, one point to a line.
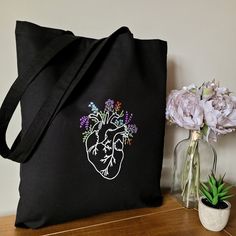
118	106
119	122
133	129
112	114
109	105
128	117
84	122
93	107
107	132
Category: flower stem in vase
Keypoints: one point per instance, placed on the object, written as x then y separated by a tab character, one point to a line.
191	173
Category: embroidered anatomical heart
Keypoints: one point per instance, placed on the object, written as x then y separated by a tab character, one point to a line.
107	131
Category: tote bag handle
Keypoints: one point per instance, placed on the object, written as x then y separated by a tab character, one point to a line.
24	145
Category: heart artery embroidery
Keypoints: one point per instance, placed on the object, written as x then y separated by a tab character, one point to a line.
106	133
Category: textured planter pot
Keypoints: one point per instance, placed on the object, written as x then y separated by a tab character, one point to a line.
211	218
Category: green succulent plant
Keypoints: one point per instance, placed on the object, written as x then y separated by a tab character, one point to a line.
215	190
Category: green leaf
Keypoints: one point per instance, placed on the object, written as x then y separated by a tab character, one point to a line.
209	200
227	188
201	192
204	186
226	197
205	130
220	180
223	194
207	91
209	181
215	200
220	187
207	194
213	188
212	179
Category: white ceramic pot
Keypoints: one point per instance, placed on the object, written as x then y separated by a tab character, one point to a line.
211	218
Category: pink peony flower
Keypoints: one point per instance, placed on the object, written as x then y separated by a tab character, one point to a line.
183	108
210	109
220	113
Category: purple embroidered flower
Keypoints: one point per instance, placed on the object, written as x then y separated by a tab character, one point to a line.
128	117
113	117
133	129
84	122
109	105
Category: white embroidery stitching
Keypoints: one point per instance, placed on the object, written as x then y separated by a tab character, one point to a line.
107	149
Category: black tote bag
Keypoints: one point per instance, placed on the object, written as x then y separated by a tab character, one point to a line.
93	114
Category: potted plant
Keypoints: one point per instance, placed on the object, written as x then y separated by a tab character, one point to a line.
213	209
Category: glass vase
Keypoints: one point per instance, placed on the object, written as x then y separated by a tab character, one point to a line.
194	160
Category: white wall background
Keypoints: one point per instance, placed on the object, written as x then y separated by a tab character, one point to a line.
202	45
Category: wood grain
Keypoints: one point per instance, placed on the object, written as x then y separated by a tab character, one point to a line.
7	223
177	222
169	219
231	226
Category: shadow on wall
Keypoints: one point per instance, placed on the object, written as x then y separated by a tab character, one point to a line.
166	178
225	156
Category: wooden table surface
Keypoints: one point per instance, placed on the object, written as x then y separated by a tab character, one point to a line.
169	219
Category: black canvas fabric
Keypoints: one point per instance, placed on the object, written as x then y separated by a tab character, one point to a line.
93	115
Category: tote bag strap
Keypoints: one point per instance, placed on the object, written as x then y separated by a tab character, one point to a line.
24	145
